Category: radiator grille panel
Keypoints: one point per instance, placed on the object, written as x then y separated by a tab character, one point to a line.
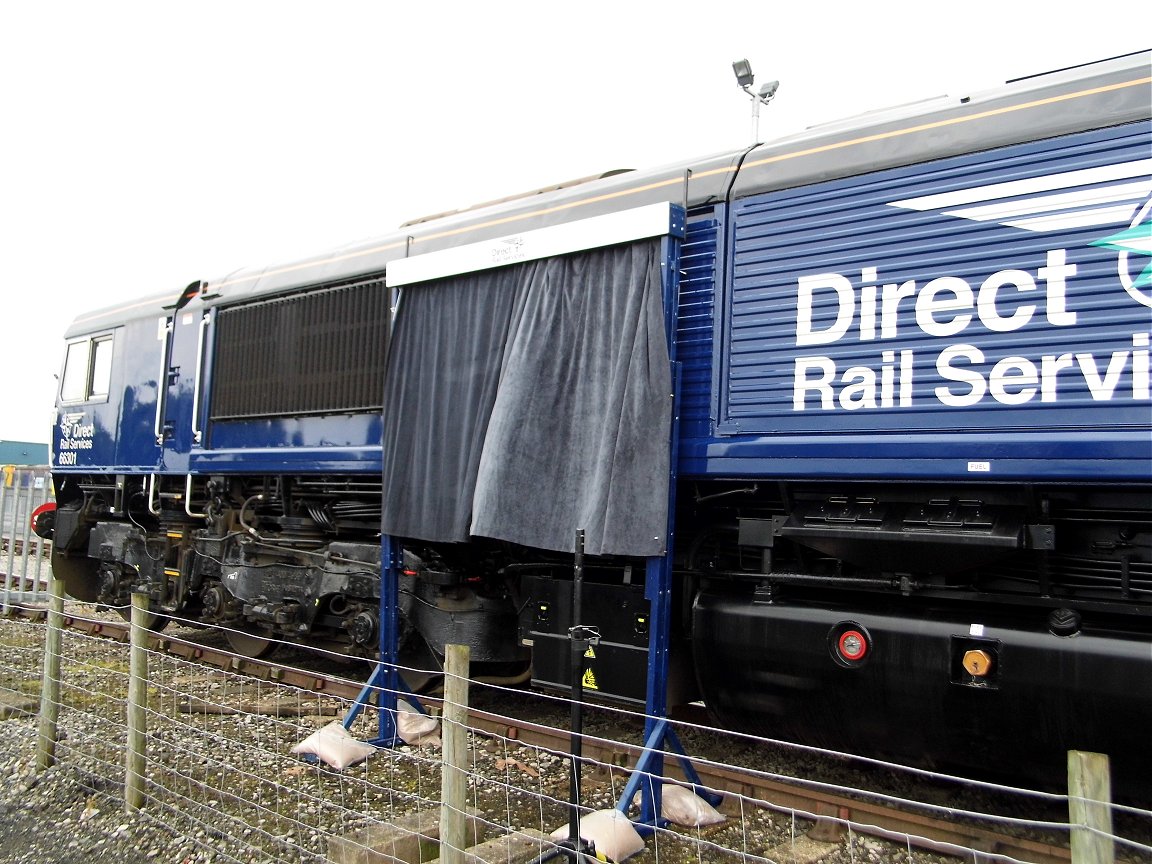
317	353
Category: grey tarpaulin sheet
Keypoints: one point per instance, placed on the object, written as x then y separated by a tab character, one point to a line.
526	402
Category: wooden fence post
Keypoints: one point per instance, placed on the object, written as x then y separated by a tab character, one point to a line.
1090	808
50	681
137	715
454	733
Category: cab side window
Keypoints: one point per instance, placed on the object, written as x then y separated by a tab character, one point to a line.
87	370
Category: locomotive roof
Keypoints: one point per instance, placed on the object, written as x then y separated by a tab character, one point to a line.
1095	95
107	317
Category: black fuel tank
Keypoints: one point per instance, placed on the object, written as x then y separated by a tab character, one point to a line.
987	692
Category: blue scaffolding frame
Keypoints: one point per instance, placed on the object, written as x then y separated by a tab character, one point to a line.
660	739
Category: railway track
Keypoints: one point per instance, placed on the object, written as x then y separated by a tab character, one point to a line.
830	812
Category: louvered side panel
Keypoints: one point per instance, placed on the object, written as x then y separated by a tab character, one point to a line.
695	323
322	352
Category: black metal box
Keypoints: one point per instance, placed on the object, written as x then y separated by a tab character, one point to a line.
616	668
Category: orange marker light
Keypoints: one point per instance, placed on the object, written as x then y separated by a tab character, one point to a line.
978	663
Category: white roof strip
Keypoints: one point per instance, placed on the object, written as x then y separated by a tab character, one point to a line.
625	226
1119	214
1031	186
1063	201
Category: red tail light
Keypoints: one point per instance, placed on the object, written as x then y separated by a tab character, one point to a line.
44	520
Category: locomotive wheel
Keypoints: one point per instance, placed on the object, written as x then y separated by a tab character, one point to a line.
249	644
152	621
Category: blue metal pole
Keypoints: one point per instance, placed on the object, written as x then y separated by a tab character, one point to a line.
386	677
658	570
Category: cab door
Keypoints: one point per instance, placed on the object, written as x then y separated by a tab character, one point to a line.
182	349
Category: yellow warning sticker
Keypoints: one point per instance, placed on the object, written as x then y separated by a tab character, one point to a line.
590	680
590	653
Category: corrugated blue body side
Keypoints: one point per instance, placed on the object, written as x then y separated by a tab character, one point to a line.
979	316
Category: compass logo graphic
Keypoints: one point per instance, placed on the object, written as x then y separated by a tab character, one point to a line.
1135	247
69	422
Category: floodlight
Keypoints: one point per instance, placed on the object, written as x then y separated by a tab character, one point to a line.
743	71
768	90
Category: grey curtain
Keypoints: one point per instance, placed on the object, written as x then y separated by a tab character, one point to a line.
526	402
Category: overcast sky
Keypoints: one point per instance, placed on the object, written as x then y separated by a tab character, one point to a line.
147	144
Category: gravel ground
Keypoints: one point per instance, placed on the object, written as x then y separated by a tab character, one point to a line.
53	819
68	814
57	818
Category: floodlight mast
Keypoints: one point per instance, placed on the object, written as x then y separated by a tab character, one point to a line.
742	69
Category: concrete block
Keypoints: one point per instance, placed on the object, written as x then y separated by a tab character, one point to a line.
802	850
519	847
14	705
411	839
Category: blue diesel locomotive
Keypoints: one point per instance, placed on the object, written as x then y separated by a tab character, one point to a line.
877	394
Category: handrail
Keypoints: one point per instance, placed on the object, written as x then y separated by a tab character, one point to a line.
196	431
162	383
153	504
188	500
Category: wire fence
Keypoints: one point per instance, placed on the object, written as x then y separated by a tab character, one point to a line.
221	782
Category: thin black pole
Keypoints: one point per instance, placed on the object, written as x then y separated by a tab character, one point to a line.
578	647
581	637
